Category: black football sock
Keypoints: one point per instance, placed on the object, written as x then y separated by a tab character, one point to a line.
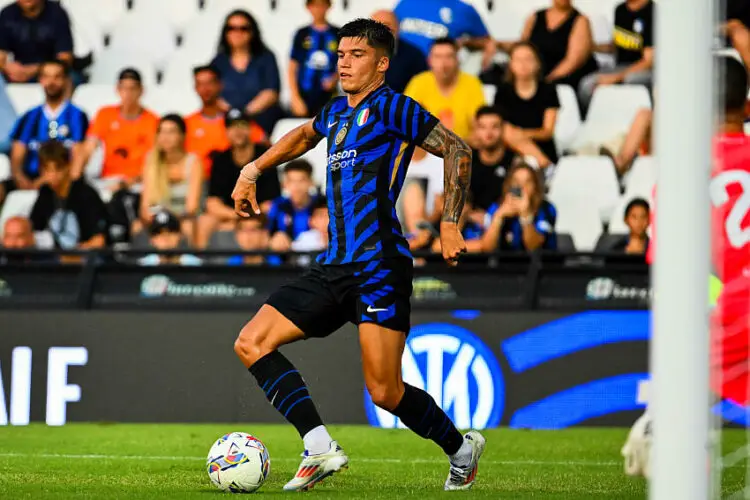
286	390
418	411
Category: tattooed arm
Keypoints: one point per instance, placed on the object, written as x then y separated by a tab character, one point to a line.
456	155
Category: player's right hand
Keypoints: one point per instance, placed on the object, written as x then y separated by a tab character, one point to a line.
244	197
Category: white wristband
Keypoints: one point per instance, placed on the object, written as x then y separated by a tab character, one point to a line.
250	172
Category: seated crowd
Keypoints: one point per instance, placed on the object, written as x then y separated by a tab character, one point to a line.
166	182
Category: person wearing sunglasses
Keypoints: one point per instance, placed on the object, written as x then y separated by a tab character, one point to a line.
250	75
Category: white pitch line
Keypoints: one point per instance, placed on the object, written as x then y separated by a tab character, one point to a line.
586	463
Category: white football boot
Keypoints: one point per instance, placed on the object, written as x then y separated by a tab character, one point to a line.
462	478
315	468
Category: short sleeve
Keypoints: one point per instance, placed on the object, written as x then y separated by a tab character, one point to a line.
63	35
648	29
550	97
20	130
97	127
269	73
298	52
473	24
319	122
545	219
78	132
5	32
406	118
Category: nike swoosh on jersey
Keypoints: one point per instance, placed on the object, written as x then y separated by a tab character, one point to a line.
330	125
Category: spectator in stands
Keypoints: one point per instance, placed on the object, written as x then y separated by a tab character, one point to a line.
470	230
7	118
289	215
33	31
125	130
56	119
220	212
17	235
491	160
447	92
408	60
68	211
312	73
737	27
522	219
562	35
172	177
248	69
527	104
424	21
251	235
316	238
637	216
165	234
206	132
633	47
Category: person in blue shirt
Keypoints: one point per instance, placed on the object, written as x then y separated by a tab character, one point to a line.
249	73
424	21
289	215
312	68
33	31
522	220
57	119
407	61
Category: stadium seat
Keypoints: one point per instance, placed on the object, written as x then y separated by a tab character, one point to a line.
601	14
24	96
176	12
507	23
317	157
91	97
592	179
568	117
104	15
260	9
201	36
609	240
575	217
565	243
17	203
612	111
360	8
489	93
151	37
4	167
617	221
178	73
108	65
162	100
642	177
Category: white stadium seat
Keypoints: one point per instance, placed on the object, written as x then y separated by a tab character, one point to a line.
91	97
4	167
150	37
617	222
641	178
108	65
105	14
363	8
589	178
178	73
18	202
162	100
176	12
611	113
200	37
317	157
24	96
575	217
568	117
489	93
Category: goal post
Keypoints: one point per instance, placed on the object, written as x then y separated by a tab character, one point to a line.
679	392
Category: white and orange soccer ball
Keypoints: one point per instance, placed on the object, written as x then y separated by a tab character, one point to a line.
238	462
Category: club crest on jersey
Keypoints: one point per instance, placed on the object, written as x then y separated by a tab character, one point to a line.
341	136
363	116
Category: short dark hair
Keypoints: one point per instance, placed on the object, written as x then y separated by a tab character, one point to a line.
260	218
637	202
320	203
54	152
308	2
487	110
377	35
56	62
210	68
733	91
176	119
445	40
299	166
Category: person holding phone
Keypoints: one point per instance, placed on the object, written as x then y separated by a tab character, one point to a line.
523	219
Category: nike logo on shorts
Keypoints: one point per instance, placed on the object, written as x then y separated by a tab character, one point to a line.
371	309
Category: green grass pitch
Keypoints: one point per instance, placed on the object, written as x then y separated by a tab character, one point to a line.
100	461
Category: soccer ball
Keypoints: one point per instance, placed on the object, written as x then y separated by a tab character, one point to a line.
238	462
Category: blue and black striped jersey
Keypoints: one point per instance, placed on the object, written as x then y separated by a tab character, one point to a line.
369	150
38	125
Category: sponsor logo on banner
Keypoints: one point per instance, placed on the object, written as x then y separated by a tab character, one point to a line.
159	285
5	289
457	369
604	288
428	288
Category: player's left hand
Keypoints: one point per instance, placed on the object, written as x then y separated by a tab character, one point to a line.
244	197
452	242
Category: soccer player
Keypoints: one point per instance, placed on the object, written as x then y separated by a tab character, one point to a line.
365	275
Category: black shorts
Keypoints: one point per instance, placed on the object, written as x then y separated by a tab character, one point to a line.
326	297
